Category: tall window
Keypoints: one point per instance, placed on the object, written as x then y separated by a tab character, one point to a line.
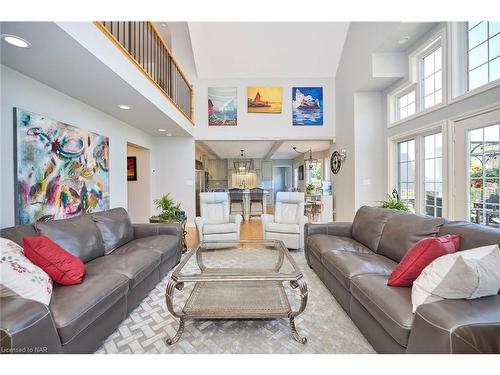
432	79
406	105
433	171
484	144
314	173
483	52
406	178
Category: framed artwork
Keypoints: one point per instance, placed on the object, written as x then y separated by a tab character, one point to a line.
263	99
307	106
301	173
61	171
131	168
222	106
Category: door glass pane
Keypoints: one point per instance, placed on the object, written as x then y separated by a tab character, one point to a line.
484	175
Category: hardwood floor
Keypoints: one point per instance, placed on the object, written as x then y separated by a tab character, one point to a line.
249	230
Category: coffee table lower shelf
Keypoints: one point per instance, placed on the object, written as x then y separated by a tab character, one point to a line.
213	300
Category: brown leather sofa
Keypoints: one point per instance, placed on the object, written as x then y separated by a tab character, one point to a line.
354	260
123	262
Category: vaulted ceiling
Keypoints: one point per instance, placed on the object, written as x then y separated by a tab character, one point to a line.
267	49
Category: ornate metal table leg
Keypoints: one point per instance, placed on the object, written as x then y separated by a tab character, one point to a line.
301	284
169	297
295	334
173	340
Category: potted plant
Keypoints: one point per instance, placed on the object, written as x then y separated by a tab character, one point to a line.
310	188
169	211
394	203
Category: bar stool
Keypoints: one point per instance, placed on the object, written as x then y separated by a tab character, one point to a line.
257	196
236	196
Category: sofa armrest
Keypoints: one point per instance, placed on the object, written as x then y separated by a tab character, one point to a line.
457	326
302	223
156	229
26	326
265	218
339	229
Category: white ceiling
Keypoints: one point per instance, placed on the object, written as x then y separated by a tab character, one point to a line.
231	149
285	151
59	61
267	49
261	149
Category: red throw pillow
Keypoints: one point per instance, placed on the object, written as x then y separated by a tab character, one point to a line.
420	256
64	268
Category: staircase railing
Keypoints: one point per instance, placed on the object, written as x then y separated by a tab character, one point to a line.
141	43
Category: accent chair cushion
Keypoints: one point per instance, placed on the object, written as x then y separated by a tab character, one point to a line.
115	227
20	277
64	268
220	228
369	224
289	207
283	228
78	235
467	274
420	256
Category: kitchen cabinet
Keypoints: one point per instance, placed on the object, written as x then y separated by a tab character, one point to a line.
267	170
217	169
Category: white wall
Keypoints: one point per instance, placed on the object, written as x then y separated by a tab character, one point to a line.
139	192
18	90
172	163
261	125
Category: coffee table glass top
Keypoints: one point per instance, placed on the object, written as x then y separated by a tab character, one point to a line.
238	260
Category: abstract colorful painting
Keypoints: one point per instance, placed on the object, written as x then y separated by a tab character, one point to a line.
61	170
222	106
263	99
307	105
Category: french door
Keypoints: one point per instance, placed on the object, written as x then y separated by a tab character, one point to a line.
476	169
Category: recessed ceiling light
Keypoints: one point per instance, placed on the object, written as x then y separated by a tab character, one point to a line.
162	130
168	134
404	39
16	41
123	106
163	24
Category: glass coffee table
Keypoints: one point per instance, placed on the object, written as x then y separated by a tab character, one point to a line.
237	280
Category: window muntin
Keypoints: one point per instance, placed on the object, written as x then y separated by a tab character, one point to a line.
483	171
433	174
406	105
483	53
432	78
406	174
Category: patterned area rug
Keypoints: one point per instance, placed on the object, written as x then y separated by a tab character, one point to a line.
324	323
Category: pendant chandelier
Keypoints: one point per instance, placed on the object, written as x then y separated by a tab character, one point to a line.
243	165
310	162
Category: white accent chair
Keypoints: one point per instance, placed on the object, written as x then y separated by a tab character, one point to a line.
288	222
215	223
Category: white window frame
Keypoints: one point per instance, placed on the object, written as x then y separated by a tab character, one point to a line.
402	93
393	165
429	51
458	82
415	73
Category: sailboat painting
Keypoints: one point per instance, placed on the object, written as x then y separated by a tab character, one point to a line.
307	105
222	106
264	99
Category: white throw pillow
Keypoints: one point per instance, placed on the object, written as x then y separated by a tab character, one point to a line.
20	277
465	274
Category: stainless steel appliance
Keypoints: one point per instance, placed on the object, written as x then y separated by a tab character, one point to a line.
201	183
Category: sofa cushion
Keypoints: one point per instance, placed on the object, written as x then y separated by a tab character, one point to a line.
133	262
220	228
319	244
346	265
115	227
75	307
165	245
403	230
282	228
63	267
471	235
17	233
390	306
78	235
368	225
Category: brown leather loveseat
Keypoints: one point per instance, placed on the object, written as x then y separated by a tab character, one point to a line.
123	262
355	260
